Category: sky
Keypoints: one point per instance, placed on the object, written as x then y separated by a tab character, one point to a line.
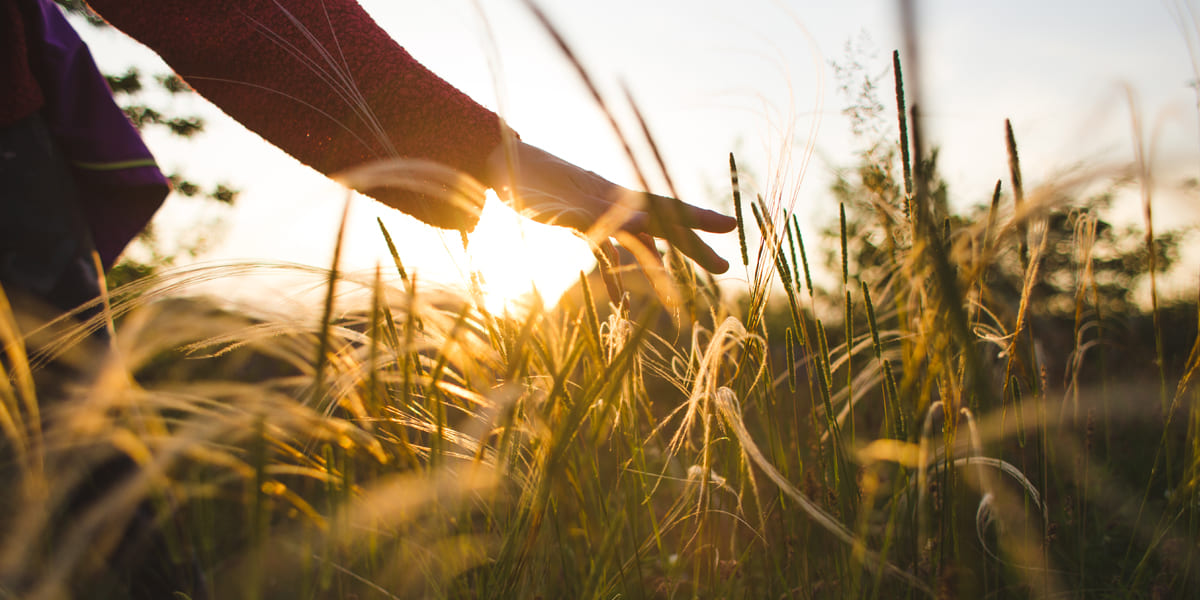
753	77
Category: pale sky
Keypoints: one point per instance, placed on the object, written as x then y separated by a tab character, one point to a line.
711	77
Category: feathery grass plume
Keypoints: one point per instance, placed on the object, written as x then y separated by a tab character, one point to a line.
737	210
803	255
391	246
767	262
1014	173
767	257
759	220
993	209
730	335
781	265
791	238
767	218
318	389
1083	244
902	118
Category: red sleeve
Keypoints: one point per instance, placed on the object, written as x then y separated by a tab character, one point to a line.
322	81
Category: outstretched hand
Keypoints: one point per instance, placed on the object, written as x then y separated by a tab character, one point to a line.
551	190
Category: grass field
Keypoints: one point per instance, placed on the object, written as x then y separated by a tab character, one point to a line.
924	429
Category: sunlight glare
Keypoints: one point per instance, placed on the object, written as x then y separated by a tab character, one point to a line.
514	255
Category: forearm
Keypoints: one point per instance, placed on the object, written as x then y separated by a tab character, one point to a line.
318	79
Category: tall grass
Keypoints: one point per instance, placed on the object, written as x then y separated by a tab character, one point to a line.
405	441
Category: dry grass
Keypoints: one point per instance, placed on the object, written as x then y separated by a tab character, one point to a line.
403	441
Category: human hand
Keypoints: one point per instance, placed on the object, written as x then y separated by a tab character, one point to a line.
551	190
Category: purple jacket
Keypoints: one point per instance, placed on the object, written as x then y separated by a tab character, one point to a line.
119	182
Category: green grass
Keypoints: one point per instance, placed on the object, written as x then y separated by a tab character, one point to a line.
403	441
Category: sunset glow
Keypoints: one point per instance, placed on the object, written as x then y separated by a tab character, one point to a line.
514	255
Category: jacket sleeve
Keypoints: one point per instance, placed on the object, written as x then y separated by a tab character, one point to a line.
322	81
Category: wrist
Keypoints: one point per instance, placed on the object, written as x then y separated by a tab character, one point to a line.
500	162
495	165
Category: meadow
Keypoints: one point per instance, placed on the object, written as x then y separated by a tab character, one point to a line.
973	410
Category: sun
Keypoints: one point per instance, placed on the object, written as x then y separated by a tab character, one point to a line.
515	255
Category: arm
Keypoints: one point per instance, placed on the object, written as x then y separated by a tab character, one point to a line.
323	82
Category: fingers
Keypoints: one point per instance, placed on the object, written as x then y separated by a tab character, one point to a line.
677	223
686	241
714	222
665	211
